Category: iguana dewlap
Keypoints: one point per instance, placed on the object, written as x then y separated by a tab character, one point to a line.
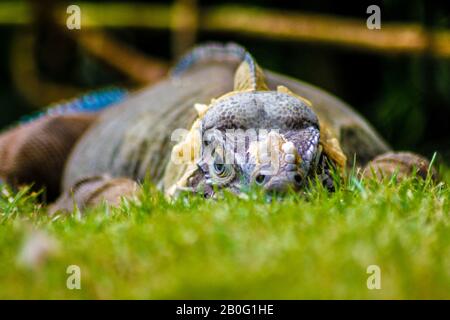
221	88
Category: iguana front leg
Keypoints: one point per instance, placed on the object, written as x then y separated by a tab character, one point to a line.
93	191
401	164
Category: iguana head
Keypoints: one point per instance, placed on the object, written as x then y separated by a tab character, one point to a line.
255	137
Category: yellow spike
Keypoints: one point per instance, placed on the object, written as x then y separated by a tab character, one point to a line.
201	109
283	89
247	79
331	146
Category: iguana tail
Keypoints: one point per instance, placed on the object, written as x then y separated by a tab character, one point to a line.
35	151
90	102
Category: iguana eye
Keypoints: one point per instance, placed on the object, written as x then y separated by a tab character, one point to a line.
219	168
223	170
221	173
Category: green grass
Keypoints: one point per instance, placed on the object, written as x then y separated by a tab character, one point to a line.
317	245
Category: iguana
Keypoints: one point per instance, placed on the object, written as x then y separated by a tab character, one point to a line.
243	127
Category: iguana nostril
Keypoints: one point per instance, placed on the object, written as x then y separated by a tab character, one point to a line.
298	179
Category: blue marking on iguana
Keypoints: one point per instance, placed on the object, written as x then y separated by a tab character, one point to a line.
91	102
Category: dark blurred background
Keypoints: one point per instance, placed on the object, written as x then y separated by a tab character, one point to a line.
397	77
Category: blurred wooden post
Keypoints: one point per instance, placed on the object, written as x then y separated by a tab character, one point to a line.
259	22
140	68
321	28
40	92
184	24
25	75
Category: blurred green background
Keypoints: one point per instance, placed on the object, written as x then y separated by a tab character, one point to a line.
405	94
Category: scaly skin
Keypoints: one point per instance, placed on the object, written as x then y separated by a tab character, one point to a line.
134	136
